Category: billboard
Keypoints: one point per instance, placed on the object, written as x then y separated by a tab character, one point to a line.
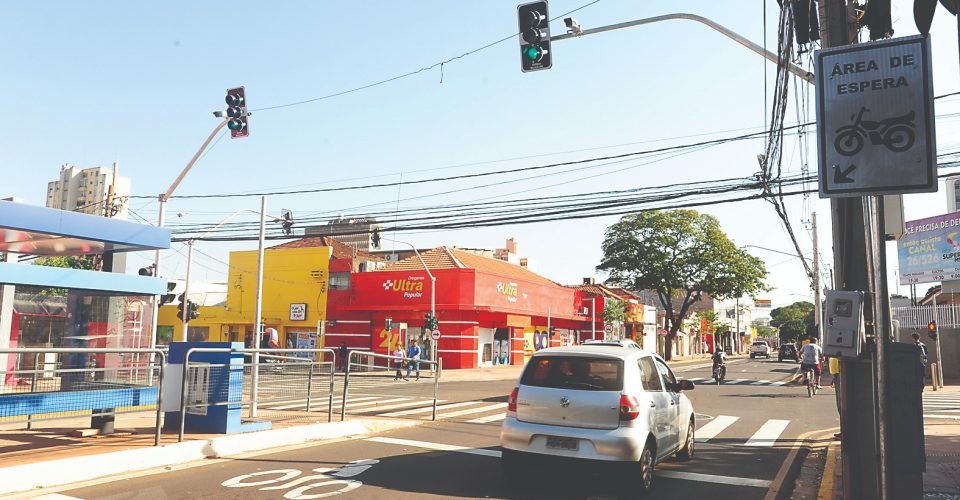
930	250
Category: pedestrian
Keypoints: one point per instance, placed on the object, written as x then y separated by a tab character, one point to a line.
413	353
834	365
923	358
398	361
343	356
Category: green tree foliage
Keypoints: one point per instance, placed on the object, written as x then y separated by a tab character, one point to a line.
614	310
65	261
764	331
682	255
794	321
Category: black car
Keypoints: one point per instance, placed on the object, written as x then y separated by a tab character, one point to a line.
788	351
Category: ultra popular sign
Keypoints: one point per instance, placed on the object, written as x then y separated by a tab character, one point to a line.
875	119
930	250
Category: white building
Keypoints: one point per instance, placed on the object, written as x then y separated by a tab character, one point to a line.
87	190
356	232
511	253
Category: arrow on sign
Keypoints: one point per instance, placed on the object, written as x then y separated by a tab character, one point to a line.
841	175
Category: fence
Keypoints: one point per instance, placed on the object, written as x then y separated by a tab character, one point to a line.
947	316
379	383
287	381
60	383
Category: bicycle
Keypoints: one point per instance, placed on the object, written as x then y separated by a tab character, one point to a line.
809	373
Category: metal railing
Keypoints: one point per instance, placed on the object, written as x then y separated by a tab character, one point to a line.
288	379
947	316
95	382
377	375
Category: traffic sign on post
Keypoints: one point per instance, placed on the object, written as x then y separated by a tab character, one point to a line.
875	129
435	335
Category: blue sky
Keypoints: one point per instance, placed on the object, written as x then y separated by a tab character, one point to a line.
90	83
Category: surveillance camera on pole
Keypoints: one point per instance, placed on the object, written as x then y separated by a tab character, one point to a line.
573	26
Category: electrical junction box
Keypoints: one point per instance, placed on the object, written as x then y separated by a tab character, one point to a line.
844	315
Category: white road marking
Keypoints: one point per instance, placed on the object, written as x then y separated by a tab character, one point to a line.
777	383
768	433
711	429
495	406
302	403
951	417
436	446
488	419
55	496
689	476
735	381
710	478
424	410
377	402
761	382
402	405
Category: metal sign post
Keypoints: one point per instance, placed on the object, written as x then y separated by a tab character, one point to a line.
875	119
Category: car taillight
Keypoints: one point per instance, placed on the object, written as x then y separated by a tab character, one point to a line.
629	407
512	400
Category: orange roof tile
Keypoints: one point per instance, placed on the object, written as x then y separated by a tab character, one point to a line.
340	250
454	258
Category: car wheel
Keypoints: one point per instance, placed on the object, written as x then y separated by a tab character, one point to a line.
646	470
687	452
510	465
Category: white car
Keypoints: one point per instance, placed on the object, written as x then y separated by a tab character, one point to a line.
600	405
613	343
760	348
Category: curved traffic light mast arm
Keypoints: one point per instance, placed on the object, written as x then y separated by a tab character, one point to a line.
802	73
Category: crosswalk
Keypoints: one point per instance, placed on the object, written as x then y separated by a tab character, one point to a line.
738	381
477	411
720	428
941	405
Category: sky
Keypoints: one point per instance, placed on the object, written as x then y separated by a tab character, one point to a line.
93	83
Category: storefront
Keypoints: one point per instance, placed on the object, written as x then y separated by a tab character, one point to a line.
489	311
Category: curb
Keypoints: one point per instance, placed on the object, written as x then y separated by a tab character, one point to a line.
783	484
23	478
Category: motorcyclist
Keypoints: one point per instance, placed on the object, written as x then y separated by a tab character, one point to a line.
811	356
719	361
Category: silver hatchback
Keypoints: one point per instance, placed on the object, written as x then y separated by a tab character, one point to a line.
598	404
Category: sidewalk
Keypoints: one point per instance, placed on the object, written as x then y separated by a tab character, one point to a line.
941	480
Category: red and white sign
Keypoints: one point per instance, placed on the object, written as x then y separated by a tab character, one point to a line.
435	335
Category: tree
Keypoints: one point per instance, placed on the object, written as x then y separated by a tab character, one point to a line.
64	261
763	331
794	321
614	310
682	255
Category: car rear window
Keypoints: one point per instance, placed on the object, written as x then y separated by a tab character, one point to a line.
574	372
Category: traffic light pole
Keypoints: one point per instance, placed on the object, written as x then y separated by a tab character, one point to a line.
162	198
186	292
796	70
433	290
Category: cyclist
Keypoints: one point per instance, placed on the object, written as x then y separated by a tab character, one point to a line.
810	356
719	361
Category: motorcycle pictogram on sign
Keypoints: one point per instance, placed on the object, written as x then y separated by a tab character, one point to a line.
895	133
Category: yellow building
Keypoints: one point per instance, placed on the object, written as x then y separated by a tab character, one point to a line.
295	284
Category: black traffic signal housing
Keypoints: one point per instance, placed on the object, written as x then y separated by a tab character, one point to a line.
807	25
169	296
287	222
534	24
878	19
932	330
237	112
181	305
430	321
193	310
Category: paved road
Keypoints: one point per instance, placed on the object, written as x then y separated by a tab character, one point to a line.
745	433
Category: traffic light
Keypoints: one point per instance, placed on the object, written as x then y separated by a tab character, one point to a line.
287	222
430	321
877	18
932	330
807	25
193	310
237	112
181	305
534	36
169	296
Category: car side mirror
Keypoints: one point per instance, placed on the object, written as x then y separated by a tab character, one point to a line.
686	385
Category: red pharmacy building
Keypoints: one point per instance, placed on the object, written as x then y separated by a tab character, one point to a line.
490	311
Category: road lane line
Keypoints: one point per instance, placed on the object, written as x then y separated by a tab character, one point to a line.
761	382
401	405
302	403
689	476
375	402
710	478
436	446
735	381
414	411
495	406
714	427
778	383
488	419
768	433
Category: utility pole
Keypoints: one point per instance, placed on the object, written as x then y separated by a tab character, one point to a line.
817	314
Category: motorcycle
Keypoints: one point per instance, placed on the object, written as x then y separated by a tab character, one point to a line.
896	133
719	373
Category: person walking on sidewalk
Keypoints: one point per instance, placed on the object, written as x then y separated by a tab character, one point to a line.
923	358
343	353
398	362
413	353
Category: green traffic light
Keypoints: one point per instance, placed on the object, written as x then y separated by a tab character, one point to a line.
532	52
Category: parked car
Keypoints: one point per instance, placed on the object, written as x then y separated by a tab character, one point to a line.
788	351
613	343
760	348
597	405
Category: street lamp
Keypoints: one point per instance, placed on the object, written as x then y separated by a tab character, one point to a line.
433	290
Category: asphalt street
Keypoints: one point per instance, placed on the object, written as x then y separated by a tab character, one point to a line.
745	431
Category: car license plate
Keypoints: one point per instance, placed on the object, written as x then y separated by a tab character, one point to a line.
561	443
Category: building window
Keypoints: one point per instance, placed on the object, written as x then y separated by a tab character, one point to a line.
339	281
